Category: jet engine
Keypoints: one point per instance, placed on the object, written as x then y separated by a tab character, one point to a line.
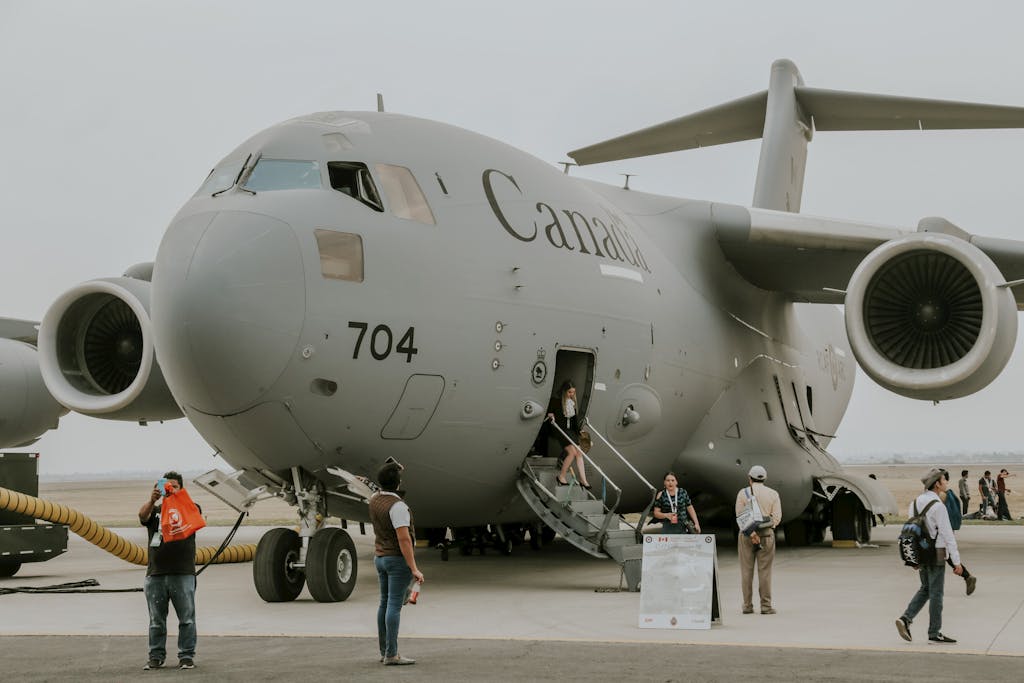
97	355
26	408
929	317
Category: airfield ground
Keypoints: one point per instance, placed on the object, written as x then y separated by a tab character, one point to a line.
535	615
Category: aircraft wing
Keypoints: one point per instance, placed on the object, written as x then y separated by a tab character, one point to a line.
811	258
20	330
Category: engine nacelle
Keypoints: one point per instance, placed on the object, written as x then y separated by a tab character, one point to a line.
27	409
96	352
928	319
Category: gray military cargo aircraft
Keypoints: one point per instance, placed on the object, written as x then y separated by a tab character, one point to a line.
349	286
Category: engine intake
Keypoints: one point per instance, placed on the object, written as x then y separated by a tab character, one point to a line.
96	352
927	317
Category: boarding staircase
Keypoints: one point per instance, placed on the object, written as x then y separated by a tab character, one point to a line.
588	521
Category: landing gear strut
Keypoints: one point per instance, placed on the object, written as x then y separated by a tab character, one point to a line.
322	558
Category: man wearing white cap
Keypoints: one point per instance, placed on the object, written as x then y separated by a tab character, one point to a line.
757	544
933	576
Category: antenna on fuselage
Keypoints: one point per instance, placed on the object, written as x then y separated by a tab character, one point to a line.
380	102
628	176
565	166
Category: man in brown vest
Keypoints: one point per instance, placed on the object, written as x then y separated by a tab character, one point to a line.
393	557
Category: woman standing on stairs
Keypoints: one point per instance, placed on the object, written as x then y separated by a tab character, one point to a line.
674	509
563	412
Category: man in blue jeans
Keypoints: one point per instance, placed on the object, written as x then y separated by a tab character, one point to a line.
170	577
394	559
933	575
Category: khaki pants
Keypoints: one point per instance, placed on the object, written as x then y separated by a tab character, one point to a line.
763	559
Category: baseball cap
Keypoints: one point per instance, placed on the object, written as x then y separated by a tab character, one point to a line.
758	473
933	475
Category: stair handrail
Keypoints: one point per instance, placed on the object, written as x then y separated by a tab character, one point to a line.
607	479
649	485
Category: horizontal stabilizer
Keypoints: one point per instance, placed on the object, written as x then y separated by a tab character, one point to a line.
826	110
839	110
735	121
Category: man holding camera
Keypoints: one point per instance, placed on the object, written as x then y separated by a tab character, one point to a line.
756	542
170	577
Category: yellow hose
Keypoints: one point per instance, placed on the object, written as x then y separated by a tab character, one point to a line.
103	538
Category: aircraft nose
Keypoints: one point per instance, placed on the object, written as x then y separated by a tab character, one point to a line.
229	300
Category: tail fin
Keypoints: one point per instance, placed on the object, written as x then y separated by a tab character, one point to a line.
787	130
785	116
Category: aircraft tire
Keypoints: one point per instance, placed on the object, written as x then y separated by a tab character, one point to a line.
9	568
797	533
862	525
535	537
331	565
275	579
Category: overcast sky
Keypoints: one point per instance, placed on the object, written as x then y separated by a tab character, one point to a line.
112	113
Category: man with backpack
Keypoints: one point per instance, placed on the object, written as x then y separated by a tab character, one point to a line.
756	543
936	545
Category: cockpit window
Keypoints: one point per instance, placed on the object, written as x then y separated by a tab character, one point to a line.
353	179
341	255
284	174
222	177
405	199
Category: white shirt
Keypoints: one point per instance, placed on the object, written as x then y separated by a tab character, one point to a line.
767	499
937	523
570	408
399	512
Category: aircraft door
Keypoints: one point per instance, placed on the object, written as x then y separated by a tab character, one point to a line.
576	366
415	407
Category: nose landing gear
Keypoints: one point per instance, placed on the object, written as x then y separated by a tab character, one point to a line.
320	557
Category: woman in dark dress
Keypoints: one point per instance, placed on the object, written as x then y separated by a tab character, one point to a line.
564	411
672	508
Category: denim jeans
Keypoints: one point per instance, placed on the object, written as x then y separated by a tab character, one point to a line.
394	575
933	579
179	589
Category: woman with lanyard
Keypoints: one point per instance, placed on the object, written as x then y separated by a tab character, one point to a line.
668	506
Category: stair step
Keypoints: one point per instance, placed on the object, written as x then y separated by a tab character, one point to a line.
568	494
617	537
622	553
588	507
596	521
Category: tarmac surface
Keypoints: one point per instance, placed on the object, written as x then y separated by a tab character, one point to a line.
535	615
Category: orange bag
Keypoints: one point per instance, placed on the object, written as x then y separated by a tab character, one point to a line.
179	517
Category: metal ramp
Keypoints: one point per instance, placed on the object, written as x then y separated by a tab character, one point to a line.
591	524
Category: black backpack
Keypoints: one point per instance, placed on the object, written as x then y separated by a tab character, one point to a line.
916	547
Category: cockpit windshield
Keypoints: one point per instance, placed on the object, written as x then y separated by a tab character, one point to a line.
222	177
284	174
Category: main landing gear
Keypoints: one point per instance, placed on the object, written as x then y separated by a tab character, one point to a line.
500	537
845	513
850	519
320	557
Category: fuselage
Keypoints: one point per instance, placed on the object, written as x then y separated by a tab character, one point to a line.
343	310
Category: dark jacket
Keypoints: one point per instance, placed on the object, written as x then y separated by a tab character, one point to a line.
570	426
